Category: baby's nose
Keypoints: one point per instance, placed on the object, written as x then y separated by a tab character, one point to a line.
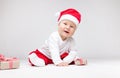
68	26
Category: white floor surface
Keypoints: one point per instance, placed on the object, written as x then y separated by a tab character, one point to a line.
94	69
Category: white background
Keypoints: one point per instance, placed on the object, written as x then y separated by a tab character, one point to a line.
26	24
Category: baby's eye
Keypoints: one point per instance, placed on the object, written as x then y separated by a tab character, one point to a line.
65	23
71	26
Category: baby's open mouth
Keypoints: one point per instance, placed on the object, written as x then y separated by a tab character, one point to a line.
66	31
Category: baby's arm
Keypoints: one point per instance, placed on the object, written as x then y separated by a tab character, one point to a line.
72	52
54	50
55	56
71	56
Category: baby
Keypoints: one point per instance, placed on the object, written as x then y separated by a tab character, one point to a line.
59	49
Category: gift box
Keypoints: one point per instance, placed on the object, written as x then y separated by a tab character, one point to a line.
9	63
80	62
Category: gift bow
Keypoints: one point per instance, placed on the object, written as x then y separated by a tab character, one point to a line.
2	58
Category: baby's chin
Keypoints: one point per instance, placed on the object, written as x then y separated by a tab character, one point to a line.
66	36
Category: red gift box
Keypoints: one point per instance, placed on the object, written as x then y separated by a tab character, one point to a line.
9	63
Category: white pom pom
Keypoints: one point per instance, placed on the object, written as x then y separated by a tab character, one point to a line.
57	14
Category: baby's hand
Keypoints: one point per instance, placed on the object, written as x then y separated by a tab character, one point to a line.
63	64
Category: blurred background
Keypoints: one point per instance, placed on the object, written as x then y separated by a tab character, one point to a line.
26	24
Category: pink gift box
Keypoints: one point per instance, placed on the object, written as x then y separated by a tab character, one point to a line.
9	63
80	62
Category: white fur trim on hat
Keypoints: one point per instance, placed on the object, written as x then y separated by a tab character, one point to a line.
69	17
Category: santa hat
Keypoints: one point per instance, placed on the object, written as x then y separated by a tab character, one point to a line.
69	14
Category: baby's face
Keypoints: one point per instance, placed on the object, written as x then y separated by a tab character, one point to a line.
66	28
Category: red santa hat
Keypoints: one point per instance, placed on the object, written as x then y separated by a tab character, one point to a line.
70	14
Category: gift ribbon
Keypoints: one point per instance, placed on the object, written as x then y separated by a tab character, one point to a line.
81	61
11	64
